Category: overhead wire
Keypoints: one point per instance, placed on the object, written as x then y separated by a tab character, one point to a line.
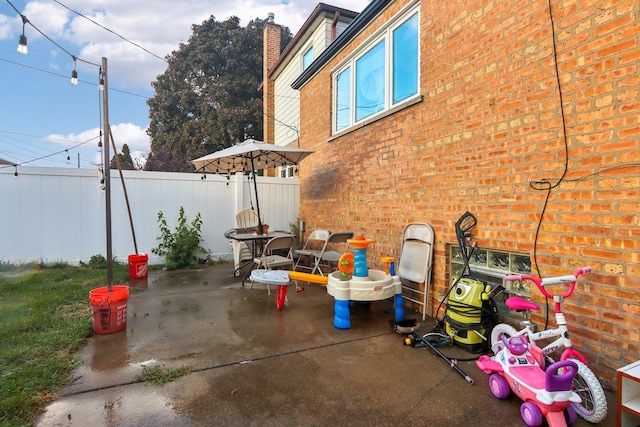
66	77
111	31
49	155
7	138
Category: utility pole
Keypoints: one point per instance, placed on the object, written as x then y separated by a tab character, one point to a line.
107	173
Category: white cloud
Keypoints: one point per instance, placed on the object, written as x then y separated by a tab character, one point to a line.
123	133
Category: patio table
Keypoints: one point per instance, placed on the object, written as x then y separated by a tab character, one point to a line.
255	241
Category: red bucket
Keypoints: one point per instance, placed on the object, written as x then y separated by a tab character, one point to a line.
138	266
109	309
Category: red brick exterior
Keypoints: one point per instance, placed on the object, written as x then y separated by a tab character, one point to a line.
490	123
270	53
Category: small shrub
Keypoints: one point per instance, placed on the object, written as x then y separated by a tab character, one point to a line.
180	246
96	261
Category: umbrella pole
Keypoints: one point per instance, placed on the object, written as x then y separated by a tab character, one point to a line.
255	187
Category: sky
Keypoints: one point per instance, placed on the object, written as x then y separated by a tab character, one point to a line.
47	121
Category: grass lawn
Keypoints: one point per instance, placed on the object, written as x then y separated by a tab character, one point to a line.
45	319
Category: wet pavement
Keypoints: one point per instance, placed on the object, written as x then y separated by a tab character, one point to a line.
250	364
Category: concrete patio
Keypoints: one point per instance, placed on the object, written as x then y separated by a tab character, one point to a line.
251	364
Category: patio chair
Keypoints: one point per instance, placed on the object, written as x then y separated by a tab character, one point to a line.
317	239
270	258
416	262
329	256
245	220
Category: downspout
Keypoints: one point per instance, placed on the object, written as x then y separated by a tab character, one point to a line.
336	18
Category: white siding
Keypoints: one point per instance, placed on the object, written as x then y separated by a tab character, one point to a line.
287	100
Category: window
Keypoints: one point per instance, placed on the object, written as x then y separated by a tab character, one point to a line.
307	58
370	82
343	100
285	171
405	60
380	75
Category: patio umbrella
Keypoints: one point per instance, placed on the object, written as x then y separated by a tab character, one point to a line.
248	156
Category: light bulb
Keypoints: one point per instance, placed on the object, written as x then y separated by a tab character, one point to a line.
74	78
22	45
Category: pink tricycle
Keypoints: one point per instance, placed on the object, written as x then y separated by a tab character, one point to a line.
546	394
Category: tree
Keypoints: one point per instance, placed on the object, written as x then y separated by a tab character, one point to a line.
126	162
208	98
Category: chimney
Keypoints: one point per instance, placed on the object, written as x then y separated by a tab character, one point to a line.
270	54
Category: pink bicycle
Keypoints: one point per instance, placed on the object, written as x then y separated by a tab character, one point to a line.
593	407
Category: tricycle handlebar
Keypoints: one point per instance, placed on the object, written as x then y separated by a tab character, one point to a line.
541	283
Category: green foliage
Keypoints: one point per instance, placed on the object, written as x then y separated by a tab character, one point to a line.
96	261
179	247
159	375
208	98
294	228
124	158
44	321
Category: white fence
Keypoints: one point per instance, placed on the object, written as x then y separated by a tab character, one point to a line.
59	214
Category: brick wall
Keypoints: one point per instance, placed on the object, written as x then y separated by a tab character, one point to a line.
489	125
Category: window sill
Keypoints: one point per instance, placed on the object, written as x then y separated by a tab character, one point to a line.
406	104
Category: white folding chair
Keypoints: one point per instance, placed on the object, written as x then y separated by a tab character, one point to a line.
329	256
317	239
416	262
271	260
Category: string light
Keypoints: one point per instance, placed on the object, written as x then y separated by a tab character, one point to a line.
68	157
22	42
101	83
15	174
74	73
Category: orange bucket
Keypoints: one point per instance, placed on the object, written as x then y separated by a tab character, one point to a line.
138	266
109	309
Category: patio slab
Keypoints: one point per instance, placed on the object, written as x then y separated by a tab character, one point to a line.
251	364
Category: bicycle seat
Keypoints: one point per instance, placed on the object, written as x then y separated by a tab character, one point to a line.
520	304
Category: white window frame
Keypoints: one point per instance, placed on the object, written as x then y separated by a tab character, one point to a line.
384	33
286	171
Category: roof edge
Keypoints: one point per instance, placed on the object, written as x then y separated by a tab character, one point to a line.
361	21
319	10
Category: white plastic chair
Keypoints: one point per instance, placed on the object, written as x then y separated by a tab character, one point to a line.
245	219
416	263
270	260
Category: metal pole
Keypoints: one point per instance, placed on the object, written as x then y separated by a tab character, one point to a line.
255	187
124	189
107	173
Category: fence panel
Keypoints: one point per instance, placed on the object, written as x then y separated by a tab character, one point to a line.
59	214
